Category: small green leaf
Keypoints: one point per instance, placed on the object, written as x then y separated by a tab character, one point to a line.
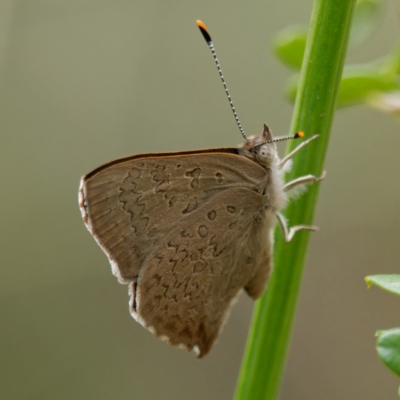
357	85
390	283
289	45
358	82
365	20
388	348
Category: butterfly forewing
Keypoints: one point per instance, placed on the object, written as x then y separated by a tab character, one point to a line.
129	205
197	213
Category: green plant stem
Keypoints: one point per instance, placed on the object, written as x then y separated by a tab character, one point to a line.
269	336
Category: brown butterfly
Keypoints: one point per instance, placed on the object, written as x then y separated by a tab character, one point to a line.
188	230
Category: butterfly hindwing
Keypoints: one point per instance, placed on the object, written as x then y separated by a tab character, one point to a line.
189	280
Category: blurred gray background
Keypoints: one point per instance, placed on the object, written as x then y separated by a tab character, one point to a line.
85	81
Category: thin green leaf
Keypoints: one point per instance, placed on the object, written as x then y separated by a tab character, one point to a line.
390	283
388	348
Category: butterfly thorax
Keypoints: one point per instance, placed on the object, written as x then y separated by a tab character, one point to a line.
274	194
261	149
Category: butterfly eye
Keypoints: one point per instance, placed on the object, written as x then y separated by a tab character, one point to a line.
264	154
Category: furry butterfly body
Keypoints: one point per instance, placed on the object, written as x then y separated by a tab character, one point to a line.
187	231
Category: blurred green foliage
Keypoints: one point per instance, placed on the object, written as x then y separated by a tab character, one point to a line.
376	84
388	342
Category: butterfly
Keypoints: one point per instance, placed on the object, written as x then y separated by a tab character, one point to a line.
187	231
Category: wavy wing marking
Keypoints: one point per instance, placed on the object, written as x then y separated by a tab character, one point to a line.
131	204
190	279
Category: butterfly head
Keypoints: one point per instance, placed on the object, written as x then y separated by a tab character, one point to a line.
261	148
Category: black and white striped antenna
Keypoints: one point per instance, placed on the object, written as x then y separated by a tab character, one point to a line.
207	37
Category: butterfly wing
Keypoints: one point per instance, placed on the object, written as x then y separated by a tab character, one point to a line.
135	207
189	280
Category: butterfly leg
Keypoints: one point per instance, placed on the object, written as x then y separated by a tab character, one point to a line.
288	233
302	180
293	152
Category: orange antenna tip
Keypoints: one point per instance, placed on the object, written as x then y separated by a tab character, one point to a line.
299	134
201	24
204	31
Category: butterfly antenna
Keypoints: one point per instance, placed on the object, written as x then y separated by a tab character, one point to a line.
207	37
297	135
